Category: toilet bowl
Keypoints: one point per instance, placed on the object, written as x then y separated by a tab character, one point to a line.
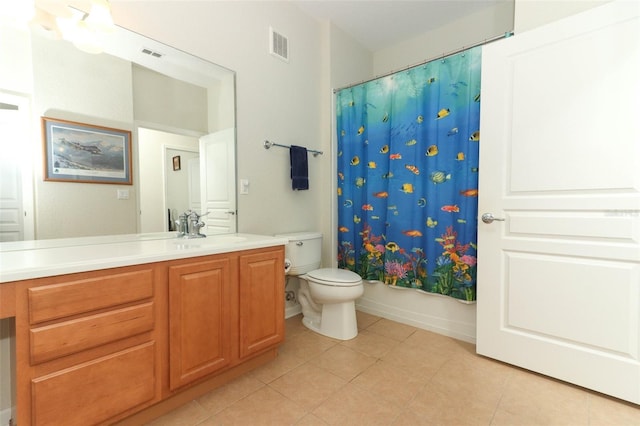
327	295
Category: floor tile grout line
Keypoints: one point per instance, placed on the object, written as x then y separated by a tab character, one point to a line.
306	411
436	344
497	407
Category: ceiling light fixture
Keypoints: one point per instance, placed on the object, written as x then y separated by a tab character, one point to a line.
16	13
84	23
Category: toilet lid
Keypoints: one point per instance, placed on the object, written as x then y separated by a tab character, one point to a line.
335	277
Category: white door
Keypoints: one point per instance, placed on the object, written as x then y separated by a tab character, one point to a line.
16	182
193	170
559	278
218	181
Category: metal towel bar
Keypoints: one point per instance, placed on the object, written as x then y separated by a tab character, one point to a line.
268	144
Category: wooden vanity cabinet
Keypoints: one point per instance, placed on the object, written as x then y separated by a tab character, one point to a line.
223	309
88	345
126	344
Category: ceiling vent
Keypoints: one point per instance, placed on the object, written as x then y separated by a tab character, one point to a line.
8	106
278	45
152	53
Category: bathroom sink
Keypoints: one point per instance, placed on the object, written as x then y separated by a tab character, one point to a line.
215	240
226	238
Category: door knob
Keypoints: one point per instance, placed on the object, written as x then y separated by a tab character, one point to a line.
489	218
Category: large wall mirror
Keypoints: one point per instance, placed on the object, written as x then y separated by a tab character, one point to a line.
180	110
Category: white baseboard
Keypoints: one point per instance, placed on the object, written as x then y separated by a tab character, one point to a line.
433	312
5	415
292	311
440	314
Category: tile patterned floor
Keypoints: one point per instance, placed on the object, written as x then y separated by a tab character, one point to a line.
394	374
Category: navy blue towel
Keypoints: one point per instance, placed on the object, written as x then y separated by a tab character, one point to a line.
299	167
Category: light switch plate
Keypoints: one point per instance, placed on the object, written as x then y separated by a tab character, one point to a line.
244	186
123	194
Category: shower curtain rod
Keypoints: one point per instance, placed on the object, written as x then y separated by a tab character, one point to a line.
444	55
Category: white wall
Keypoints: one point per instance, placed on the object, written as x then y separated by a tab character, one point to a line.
221	116
85	88
466	31
534	13
278	101
15	61
350	62
158	98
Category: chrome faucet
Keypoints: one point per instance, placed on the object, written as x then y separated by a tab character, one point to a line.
189	225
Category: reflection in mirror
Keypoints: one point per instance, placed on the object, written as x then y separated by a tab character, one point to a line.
167	98
159	147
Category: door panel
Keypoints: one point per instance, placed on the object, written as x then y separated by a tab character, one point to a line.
538	294
583	225
574	96
218	182
195	201
16	182
559	278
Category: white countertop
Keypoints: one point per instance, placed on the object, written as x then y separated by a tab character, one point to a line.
42	258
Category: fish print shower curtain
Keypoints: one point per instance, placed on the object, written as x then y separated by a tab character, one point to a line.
408	176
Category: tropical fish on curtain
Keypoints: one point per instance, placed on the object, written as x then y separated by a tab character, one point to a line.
408	176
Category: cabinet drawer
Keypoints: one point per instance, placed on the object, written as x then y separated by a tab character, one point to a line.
95	391
84	295
64	338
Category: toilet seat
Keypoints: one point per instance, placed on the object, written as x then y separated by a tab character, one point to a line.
335	277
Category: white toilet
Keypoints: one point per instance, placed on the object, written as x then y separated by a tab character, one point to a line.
327	295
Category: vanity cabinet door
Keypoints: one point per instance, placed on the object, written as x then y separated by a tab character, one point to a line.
261	300
201	315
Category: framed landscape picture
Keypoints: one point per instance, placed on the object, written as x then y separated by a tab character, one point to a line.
77	152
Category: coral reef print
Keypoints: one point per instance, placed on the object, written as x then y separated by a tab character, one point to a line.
455	271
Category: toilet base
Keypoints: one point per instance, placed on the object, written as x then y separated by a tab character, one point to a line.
338	321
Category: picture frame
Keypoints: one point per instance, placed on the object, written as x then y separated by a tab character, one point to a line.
85	153
176	163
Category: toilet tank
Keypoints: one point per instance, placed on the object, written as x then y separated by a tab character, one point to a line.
303	250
